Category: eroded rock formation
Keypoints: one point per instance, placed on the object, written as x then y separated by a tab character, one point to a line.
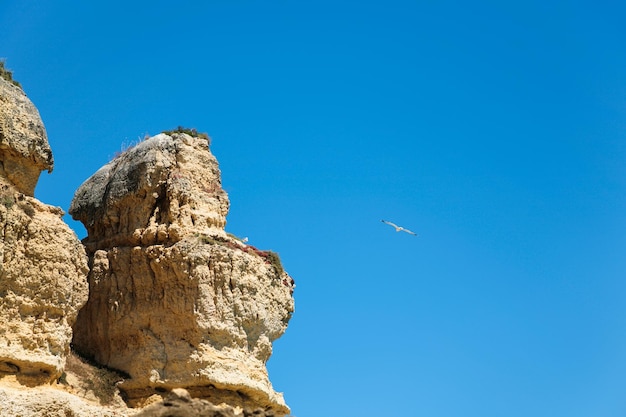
175	301
24	148
155	193
43	266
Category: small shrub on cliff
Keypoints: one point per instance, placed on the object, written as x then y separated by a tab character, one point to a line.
7	74
7	200
127	145
274	260
190	132
270	257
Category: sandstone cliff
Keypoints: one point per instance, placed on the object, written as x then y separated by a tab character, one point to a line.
175	301
43	270
42	263
161	302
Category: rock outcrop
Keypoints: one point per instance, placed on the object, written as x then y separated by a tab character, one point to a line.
174	300
24	148
43	266
155	193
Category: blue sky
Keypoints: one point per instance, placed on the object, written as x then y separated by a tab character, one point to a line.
496	130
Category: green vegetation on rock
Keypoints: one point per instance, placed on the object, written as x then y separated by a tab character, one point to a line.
7	74
190	132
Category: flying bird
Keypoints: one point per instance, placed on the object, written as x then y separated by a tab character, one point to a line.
399	228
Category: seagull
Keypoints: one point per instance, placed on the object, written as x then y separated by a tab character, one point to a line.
399	228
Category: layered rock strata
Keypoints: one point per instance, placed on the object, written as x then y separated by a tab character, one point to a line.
175	301
43	266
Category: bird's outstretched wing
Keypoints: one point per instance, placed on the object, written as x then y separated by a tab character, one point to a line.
390	224
399	228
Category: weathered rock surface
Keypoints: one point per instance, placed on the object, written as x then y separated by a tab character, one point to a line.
43	266
175	301
84	390
24	148
178	403
45	401
159	191
43	283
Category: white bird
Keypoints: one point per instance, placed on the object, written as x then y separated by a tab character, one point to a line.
399	228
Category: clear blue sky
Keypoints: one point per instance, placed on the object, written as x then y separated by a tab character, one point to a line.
496	130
